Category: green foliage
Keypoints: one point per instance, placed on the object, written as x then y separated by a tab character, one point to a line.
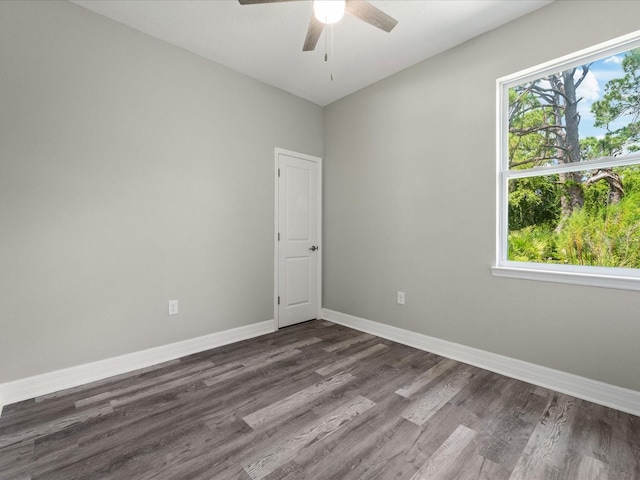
596	199
529	137
600	234
533	201
531	244
608	239
630	178
621	99
607	146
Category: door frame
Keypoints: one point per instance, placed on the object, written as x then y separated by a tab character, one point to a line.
276	216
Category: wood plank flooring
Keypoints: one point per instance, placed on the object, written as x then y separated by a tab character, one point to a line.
315	401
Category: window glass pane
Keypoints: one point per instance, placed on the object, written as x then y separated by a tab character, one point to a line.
601	228
581	113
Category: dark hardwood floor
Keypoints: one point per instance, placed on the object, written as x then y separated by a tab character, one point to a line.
315	401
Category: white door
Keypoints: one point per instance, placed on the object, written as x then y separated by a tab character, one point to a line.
298	192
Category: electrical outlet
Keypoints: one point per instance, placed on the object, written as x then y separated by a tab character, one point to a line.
400	298
173	307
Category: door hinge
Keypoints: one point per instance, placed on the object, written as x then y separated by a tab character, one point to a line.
278	236
278	172
278	300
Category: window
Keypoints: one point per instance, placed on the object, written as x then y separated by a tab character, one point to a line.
569	169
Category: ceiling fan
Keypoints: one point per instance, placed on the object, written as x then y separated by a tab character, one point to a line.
330	11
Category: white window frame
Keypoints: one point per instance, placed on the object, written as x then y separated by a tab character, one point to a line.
608	277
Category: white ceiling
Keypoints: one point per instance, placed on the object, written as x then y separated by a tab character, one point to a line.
265	41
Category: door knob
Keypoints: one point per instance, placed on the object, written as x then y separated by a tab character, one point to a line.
314	248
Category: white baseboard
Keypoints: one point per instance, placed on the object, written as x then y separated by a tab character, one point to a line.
622	399
50	382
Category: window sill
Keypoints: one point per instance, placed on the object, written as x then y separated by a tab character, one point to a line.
572	278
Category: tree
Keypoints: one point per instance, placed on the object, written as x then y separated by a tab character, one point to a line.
587	217
622	101
607	146
546	110
533	201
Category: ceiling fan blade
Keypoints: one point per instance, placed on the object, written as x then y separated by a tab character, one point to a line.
313	34
254	2
370	14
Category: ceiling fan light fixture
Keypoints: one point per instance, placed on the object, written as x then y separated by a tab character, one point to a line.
328	11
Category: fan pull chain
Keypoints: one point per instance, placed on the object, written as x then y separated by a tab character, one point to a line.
331	46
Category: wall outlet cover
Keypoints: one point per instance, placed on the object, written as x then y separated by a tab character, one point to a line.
173	307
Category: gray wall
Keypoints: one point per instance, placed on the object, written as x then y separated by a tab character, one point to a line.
410	205
131	173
